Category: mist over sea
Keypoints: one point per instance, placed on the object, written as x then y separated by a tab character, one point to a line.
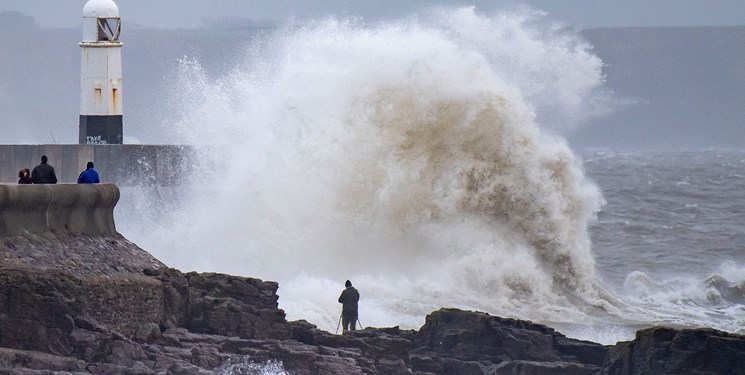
422	160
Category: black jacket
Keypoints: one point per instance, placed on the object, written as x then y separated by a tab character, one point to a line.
43	174
348	299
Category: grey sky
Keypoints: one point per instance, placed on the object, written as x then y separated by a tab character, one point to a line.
673	77
577	13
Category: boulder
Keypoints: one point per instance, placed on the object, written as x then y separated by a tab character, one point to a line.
661	350
463	342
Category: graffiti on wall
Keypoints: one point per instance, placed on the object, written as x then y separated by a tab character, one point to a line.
94	140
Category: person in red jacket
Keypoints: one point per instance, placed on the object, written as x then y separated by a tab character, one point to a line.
24	176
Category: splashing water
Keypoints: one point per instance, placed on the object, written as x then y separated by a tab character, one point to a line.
414	158
244	366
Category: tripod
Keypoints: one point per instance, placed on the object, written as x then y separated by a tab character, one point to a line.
339	324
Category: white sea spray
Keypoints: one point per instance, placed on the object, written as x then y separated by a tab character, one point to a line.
415	158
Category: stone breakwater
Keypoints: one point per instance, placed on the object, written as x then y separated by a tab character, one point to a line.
79	302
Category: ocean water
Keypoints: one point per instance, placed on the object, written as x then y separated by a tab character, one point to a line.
423	160
670	240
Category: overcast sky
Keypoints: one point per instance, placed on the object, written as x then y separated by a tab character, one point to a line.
577	13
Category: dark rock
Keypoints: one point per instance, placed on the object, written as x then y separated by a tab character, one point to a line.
14	358
544	368
79	304
470	342
36	310
669	351
148	334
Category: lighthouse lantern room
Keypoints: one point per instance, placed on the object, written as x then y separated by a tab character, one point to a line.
101	74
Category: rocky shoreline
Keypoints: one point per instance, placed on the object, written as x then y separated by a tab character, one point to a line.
81	304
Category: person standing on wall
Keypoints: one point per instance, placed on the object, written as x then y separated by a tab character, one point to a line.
24	176
89	175
349	298
43	173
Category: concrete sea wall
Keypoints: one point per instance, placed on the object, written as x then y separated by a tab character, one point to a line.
76	209
124	165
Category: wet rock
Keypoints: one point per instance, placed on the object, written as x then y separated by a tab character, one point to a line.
148	333
129	314
669	351
456	341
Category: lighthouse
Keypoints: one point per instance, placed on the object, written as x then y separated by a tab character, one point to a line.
101	74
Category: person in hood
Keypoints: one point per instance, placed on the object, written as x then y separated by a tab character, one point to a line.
43	173
24	176
349	298
89	175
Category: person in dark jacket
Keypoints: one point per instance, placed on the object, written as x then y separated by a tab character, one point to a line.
24	176
43	173
89	175
349	298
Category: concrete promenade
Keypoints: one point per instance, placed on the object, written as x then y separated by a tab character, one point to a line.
124	165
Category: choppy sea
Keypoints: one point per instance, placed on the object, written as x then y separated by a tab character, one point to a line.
671	236
418	160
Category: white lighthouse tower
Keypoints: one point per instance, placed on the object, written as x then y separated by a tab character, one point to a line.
101	74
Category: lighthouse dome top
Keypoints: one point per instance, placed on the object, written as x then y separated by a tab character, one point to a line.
100	8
